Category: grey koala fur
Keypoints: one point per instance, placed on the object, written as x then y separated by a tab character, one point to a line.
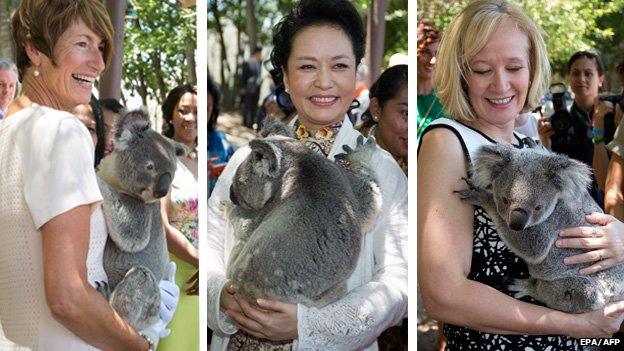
531	194
299	218
132	179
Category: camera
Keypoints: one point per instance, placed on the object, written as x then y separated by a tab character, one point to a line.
561	119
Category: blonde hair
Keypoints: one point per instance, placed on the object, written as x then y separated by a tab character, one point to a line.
42	22
468	34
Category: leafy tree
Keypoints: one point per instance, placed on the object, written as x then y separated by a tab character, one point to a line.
571	25
158	46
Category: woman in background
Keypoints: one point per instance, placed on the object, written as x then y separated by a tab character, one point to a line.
179	216
386	118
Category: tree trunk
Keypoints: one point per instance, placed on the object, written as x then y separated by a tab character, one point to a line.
142	84
160	80
375	40
224	64
190	63
252	26
6	40
110	80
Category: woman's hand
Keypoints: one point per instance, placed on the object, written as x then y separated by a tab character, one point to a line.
604	242
545	131
601	109
193	281
273	320
602	323
228	301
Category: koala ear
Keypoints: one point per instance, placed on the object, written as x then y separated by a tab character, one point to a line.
129	126
570	176
488	163
180	149
273	126
265	157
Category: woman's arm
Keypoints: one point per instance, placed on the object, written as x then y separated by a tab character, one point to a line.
614	199
600	161
444	255
72	300
176	241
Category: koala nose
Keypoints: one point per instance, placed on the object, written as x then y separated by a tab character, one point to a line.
518	219
233	197
162	186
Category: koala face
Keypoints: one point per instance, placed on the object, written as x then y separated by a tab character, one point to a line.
144	162
527	184
258	177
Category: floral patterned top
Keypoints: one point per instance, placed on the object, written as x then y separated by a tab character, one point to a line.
184	192
320	141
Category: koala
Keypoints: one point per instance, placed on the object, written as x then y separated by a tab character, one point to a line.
299	218
531	194
132	179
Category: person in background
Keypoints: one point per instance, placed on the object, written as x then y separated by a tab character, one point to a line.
428	105
51	200
251	79
591	121
386	118
493	65
111	110
219	149
8	84
179	216
92	117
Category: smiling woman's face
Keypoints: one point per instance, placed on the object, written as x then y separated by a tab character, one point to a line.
79	61
321	75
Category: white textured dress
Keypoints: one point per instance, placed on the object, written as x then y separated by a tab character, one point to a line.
46	169
377	297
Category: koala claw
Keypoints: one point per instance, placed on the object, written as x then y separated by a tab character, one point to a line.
103	288
521	287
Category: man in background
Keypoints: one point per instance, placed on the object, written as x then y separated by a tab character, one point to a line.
251	79
8	84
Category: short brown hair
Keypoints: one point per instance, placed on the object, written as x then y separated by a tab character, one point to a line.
42	22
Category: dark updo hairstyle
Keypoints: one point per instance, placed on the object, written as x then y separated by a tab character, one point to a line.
386	88
98	116
426	34
214	92
586	54
169	105
338	13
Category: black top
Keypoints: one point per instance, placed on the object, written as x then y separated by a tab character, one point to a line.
577	142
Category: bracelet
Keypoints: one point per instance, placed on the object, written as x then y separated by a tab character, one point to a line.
152	347
598	140
597	132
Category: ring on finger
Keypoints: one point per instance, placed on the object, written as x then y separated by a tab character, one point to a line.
594	232
600	255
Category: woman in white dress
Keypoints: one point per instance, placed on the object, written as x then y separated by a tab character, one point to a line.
52	231
317	48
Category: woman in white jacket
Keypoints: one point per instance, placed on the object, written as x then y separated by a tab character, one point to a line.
317	48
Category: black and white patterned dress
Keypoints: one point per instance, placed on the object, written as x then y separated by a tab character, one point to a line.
493	264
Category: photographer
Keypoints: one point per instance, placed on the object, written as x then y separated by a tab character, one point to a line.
590	121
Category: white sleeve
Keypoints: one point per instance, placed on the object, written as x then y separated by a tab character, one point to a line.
58	167
356	320
217	320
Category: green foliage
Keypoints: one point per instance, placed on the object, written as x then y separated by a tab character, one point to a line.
570	25
157	36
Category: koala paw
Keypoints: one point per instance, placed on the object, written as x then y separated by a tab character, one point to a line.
522	287
103	288
362	153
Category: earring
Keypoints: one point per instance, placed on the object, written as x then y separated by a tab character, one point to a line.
36	72
375	118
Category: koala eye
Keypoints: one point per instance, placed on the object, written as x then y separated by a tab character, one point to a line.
505	201
538	208
150	166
